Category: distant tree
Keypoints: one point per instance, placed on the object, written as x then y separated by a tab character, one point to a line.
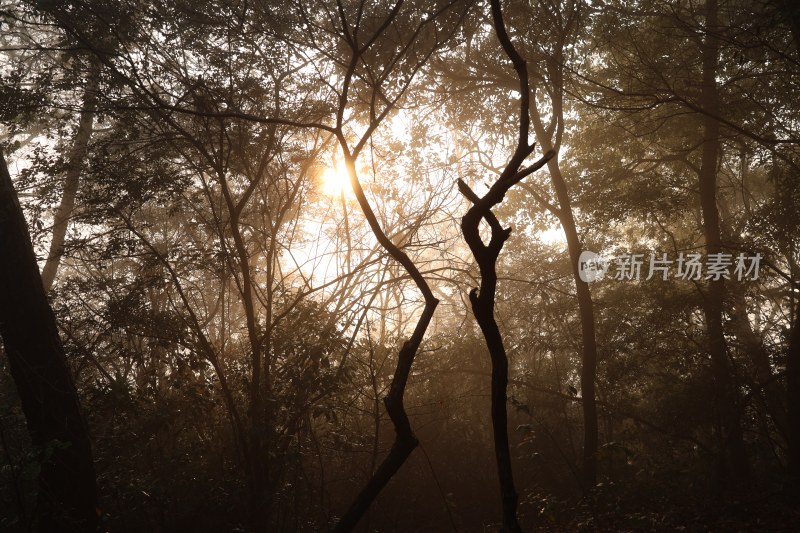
704	130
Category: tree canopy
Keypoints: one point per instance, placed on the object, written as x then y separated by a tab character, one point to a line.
400	266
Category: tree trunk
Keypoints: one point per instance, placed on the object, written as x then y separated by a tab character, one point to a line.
772	390
793	400
483	309
588	361
585	306
405	441
75	161
733	463
67	498
791	12
482	302
486	255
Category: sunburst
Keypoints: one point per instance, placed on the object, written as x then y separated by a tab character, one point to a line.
335	181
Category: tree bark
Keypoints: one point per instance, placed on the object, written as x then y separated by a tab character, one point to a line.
483	309
549	138
733	463
67	495
791	12
589	341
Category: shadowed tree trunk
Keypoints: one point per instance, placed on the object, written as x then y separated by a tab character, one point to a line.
482	302
791	13
773	392
733	462
486	255
405	441
793	401
566	217
67	498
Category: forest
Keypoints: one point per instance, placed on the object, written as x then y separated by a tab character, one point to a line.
399	265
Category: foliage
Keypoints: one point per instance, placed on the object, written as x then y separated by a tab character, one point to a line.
234	329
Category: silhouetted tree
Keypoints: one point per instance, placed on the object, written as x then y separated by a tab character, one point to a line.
67	496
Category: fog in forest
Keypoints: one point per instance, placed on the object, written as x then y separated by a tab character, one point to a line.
399	266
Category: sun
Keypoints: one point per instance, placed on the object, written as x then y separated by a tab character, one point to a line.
335	181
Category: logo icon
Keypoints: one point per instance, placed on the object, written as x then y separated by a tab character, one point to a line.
592	266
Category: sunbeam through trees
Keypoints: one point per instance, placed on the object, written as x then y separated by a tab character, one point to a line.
364	265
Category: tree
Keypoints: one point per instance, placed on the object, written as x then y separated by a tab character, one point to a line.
486	256
209	121
723	374
75	160
549	48
550	86
268	211
67	498
711	84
